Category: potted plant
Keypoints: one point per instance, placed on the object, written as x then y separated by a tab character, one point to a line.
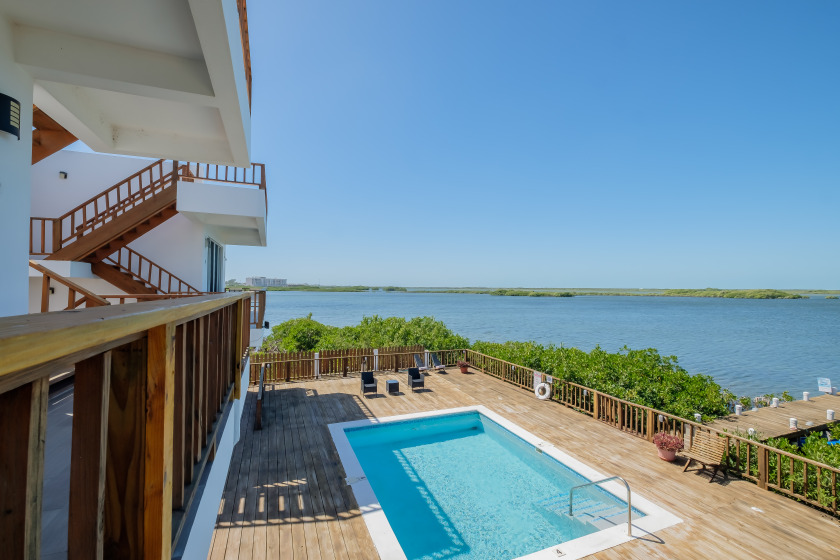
667	445
463	364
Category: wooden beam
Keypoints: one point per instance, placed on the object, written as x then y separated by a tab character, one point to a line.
91	331
189	401
23	425
92	389
178	420
239	349
160	413
123	532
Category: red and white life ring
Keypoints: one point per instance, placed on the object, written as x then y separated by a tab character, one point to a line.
543	391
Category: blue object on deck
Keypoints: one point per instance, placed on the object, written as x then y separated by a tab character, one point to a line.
834	442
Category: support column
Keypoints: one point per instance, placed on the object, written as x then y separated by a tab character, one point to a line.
15	180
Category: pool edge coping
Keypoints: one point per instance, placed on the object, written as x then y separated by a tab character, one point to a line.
385	540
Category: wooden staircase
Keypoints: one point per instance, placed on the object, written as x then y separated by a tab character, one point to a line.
133	273
117	216
99	230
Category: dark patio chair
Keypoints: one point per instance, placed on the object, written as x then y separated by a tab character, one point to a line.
415	378
418	361
436	362
368	382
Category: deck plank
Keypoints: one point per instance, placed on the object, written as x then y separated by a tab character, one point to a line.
310	513
771	422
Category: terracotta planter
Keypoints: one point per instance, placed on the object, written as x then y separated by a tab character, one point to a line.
464	369
666	455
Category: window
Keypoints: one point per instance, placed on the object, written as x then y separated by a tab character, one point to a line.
215	266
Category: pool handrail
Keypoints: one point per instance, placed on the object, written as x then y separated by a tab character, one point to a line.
592	482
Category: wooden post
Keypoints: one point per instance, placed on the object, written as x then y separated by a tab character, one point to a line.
23	429
650	428
178	441
124	466
596	413
238	349
56	235
762	467
160	411
189	401
91	395
45	293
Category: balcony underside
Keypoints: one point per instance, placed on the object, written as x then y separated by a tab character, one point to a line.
156	79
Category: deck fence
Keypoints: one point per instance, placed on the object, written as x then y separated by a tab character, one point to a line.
792	475
802	479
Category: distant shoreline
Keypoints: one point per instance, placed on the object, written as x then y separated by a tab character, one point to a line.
554	292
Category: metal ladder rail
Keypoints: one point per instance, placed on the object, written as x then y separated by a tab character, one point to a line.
629	507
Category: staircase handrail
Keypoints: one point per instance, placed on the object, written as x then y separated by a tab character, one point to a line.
595	482
143	262
88	298
135	188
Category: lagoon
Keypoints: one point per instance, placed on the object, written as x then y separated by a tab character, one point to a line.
752	347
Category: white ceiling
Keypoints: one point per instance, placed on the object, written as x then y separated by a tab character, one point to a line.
155	78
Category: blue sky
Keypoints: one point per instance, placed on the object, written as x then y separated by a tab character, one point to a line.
548	143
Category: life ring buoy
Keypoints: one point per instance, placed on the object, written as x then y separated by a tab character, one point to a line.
543	391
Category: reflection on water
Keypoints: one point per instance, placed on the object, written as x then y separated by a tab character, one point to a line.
750	346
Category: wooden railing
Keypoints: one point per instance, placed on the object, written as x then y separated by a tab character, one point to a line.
148	272
258	309
295	366
246	43
41	236
48	235
137	298
114	201
802	479
153	384
86	299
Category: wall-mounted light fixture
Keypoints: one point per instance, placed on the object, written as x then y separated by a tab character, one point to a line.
9	115
62	174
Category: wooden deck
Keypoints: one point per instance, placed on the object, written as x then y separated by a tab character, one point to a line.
286	498
775	422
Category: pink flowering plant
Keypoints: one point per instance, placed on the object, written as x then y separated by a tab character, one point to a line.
668	442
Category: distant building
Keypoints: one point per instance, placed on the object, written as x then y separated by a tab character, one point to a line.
263	282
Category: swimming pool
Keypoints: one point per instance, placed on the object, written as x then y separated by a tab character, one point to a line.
466	484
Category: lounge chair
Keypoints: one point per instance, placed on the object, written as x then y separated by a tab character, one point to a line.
418	361
415	378
436	362
707	449
368	382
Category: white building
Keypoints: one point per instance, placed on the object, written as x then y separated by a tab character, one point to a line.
263	282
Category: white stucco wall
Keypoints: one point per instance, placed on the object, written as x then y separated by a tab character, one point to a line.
15	164
178	246
87	174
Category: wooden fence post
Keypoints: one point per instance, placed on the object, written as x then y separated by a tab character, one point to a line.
762	467
650	429
596	406
87	466
23	430
160	412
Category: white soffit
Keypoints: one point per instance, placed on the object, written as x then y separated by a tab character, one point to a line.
156	78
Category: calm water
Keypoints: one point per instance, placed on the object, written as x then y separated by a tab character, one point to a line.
752	347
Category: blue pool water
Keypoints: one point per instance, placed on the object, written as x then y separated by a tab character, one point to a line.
462	487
